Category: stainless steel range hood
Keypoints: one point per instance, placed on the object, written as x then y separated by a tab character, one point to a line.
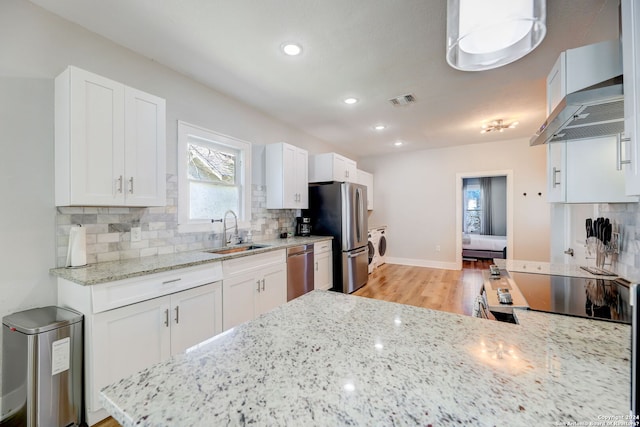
592	112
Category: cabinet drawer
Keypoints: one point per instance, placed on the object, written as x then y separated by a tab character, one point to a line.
322	247
253	262
112	295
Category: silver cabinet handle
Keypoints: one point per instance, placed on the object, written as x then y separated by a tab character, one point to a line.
166	282
263	284
316	265
131	185
619	161
119	184
258	285
177	314
166	318
556	171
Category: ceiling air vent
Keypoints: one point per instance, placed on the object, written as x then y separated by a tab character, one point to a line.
403	100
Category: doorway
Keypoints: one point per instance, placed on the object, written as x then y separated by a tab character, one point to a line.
484	212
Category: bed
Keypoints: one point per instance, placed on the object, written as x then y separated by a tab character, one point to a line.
484	246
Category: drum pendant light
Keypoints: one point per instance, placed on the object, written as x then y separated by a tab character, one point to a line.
482	35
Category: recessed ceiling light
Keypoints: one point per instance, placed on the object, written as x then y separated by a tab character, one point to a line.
350	101
398	143
379	127
292	49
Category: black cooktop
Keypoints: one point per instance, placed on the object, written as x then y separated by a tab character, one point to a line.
602	299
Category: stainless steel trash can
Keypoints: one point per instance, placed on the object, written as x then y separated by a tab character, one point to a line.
42	368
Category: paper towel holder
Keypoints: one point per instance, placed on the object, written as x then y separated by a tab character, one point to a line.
77	249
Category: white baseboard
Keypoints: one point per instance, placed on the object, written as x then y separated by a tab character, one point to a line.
423	263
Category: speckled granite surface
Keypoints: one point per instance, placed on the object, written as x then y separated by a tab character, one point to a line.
117	270
329	359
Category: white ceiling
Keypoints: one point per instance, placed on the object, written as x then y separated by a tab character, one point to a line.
373	50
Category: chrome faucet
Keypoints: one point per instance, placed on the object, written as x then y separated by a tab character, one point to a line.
224	227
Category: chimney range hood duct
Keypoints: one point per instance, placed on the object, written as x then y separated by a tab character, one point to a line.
595	105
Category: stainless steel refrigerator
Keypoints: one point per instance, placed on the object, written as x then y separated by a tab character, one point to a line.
339	209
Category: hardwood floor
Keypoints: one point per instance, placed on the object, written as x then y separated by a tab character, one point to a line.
445	290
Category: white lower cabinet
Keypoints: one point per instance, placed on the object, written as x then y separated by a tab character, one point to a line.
132	324
128	339
252	286
323	265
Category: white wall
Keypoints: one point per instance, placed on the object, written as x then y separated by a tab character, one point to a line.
415	197
27	216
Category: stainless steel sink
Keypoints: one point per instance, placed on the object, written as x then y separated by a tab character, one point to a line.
235	249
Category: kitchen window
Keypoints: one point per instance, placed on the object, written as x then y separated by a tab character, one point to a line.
214	174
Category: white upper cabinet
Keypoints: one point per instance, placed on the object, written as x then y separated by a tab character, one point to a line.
287	173
579	68
366	178
630	14
332	167
110	145
584	171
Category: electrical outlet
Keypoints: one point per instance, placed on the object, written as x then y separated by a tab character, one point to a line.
437	248
136	234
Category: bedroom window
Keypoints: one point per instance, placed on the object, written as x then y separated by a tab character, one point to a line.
472	206
485	205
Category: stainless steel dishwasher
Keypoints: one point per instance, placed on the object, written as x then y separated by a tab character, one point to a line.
299	270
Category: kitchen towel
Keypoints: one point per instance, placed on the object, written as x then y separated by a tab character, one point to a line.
77	251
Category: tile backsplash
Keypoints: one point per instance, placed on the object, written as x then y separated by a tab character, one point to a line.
109	228
627	216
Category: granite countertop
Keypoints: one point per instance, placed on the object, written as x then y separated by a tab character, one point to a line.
103	272
331	359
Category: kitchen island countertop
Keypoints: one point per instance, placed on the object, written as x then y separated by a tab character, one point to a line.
332	359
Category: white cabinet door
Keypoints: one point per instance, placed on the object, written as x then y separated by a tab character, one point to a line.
287	177
145	149
196	315
630	14
301	167
351	170
323	271
592	176
556	172
89	139
127	340
239	299
273	289
556	83
366	178
289	186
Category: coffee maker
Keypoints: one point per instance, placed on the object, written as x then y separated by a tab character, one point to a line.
303	226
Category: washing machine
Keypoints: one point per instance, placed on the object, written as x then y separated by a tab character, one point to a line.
381	246
372	244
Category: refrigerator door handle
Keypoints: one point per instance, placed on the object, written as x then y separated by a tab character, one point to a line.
359	215
358	253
